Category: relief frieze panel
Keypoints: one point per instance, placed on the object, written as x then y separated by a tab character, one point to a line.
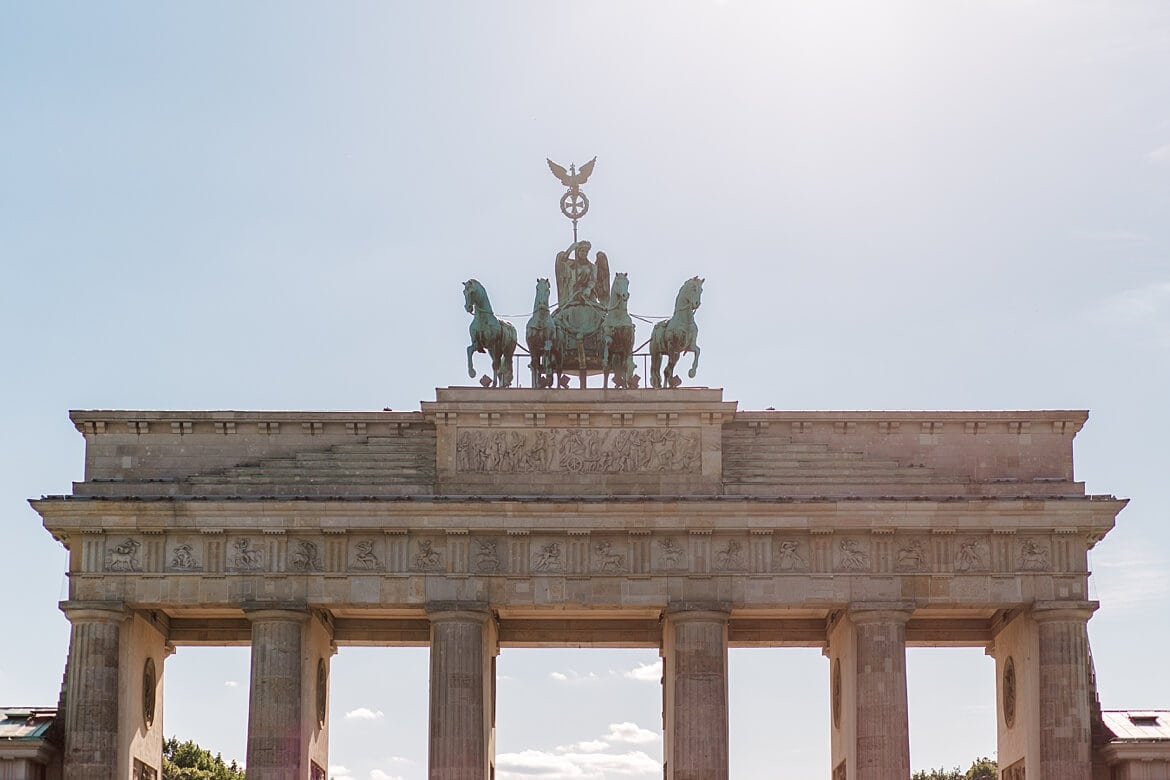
582	553
578	450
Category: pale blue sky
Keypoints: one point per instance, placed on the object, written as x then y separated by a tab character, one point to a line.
895	205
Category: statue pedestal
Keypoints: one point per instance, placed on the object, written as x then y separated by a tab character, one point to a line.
579	442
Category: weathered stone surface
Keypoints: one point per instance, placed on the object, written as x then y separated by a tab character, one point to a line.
1065	699
462	720
883	731
695	693
92	737
275	705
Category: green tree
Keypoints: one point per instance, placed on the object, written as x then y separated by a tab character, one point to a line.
188	761
981	769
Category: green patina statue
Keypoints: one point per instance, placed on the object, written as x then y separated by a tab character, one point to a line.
677	335
590	331
488	334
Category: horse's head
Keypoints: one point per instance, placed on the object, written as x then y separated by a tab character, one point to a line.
542	293
620	289
473	295
690	295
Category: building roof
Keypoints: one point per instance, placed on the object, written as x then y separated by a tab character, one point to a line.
25	722
1138	725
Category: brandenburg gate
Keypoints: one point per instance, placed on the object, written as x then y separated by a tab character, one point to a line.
495	519
498	517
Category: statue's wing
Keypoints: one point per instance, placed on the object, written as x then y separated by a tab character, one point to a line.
585	171
562	274
560	173
602	287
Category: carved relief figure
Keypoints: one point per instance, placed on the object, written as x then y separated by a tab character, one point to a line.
853	557
306	557
608	560
486	558
971	555
1033	556
246	557
912	557
730	557
366	559
427	557
549	558
124	557
184	557
673	555
788	556
578	450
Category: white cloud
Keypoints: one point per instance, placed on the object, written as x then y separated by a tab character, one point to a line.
1119	237
575	766
338	772
378	774
1130	580
646	672
1146	308
629	732
364	713
588	746
573	677
1161	155
231	684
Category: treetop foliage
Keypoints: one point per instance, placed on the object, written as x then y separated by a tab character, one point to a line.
188	761
981	769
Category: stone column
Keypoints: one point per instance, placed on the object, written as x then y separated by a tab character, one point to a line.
695	694
883	729
463	648
275	701
91	690
1065	725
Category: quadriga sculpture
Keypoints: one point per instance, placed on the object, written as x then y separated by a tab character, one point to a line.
488	334
677	335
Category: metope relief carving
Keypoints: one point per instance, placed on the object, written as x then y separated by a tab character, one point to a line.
606	558
487	558
183	558
364	557
853	558
973	555
671	554
578	450
1033	556
428	558
124	556
306	556
730	557
245	557
912	556
788	557
548	558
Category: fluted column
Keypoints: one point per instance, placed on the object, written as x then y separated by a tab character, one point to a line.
695	694
462	691
91	691
275	701
1065	725
883	729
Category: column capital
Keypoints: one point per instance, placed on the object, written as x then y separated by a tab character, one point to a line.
1069	611
881	611
712	611
443	611
261	611
94	611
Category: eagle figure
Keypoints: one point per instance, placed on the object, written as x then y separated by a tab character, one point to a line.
571	180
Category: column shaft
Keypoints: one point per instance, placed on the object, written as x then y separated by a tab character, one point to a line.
274	708
462	695
697	716
92	693
1065	725
883	730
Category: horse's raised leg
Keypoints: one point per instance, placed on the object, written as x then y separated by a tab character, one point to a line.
695	362
668	373
470	365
